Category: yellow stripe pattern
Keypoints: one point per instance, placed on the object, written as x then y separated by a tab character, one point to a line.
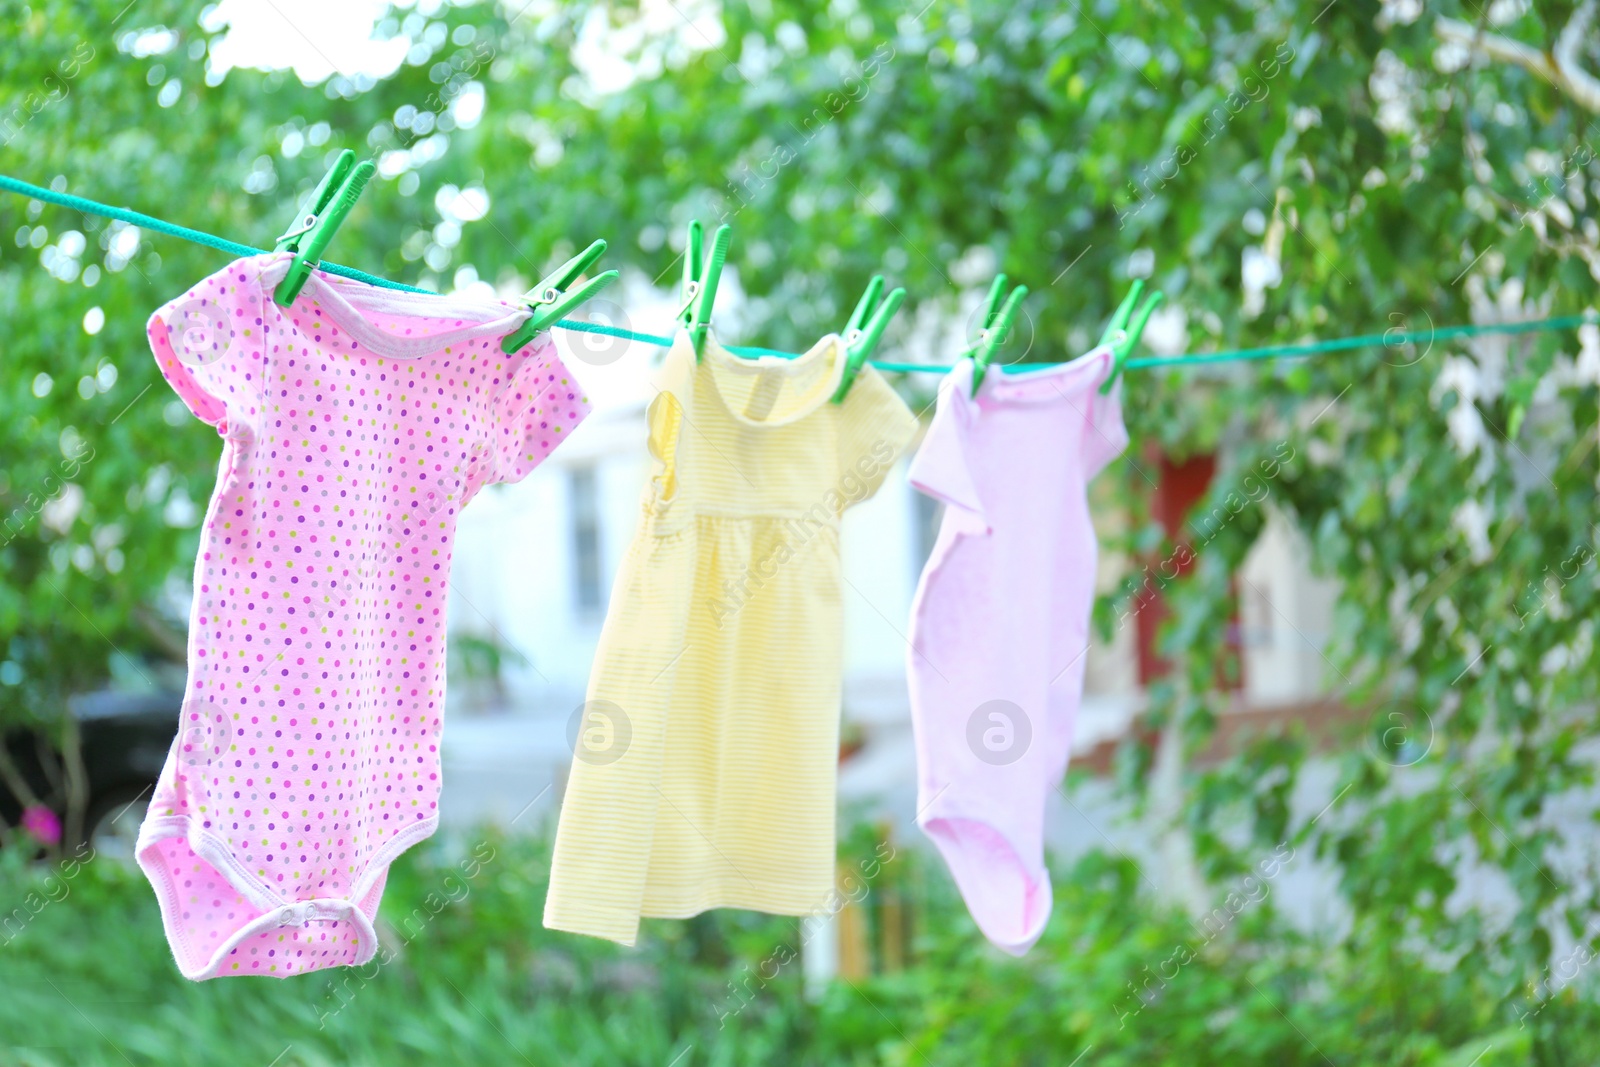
704	772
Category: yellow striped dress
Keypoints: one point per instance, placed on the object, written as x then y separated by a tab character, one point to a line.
704	770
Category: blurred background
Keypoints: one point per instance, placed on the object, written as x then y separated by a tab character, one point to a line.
1332	796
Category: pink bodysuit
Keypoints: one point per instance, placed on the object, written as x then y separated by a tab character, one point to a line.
356	424
1000	623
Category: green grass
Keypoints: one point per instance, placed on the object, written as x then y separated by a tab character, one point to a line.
475	978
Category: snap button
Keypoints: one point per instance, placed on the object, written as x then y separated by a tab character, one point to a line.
301	912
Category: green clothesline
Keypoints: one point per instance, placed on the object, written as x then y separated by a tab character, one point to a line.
1391	338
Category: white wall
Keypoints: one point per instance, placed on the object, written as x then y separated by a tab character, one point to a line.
879	544
1285	613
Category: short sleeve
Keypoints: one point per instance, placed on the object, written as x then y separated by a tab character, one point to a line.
875	426
940	468
1104	435
209	346
534	412
665	419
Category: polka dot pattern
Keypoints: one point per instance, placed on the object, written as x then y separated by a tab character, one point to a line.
358	423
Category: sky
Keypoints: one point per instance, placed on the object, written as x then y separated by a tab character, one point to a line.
314	39
317	39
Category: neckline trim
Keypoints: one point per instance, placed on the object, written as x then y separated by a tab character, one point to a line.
347	303
718	359
1042	385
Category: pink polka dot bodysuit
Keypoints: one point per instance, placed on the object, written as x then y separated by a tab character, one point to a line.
356	424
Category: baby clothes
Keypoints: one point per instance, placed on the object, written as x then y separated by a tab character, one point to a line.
356	425
704	776
1000	623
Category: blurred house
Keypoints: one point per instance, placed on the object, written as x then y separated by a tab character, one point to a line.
535	564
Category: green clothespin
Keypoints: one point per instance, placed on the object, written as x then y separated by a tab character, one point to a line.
290	240
997	320
700	278
308	238
866	326
550	301
1122	336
